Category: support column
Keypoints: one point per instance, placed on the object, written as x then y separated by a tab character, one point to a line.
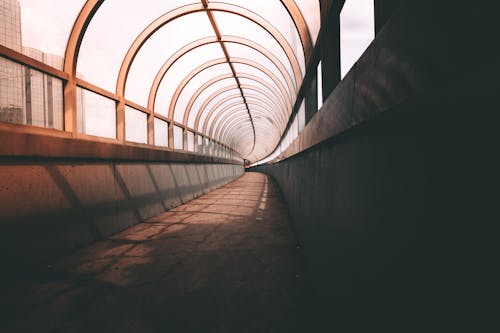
151	128
70	124
311	98
184	139
330	47
120	120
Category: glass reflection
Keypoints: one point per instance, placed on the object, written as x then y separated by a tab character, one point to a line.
30	97
96	114
39	29
161	133
200	144
178	137
136	125
190	141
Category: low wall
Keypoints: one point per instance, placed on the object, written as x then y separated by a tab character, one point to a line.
51	207
356	203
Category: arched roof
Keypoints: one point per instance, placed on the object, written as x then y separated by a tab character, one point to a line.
228	70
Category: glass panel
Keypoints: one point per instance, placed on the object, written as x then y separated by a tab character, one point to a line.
242	68
319	85
234	120
240	51
357	30
39	29
311	11
215	151
30	97
96	115
234	25
136	125
272	93
178	137
276	14
188	93
180	70
190	138
12	101
198	81
207	146
294	128
161	133
238	109
153	53
214	102
209	91
104	45
302	116
200	144
263	98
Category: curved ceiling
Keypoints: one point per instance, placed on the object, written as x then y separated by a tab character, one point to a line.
227	70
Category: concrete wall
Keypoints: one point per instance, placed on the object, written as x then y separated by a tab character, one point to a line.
390	184
50	207
357	203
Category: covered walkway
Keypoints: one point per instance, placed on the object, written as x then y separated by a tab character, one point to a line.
224	262
375	118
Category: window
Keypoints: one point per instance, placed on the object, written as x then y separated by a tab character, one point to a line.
178	137
136	123
30	97
96	115
161	133
357	30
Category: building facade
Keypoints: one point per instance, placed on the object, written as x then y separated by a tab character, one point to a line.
27	96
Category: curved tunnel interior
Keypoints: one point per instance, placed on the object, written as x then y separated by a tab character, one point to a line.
218	74
368	120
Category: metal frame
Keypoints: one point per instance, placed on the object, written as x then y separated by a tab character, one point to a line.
264	94
71	82
214	62
209	40
241	75
256	108
217	130
164	19
224	130
281	121
266	103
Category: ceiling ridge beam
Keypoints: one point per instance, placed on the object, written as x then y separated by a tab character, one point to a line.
228	60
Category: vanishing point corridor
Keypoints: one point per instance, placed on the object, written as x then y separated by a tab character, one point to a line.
252	166
223	262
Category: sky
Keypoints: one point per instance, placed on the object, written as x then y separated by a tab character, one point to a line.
47	24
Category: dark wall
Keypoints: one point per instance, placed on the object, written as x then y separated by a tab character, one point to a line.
357	204
394	210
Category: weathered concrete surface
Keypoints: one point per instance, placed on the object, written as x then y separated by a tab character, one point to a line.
393	185
50	207
224	262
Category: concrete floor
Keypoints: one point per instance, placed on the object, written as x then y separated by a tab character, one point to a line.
224	262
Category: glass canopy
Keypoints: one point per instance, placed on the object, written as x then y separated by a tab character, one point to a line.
183	74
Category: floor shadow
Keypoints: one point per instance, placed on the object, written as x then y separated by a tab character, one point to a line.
224	262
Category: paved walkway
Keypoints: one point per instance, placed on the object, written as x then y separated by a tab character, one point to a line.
224	262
